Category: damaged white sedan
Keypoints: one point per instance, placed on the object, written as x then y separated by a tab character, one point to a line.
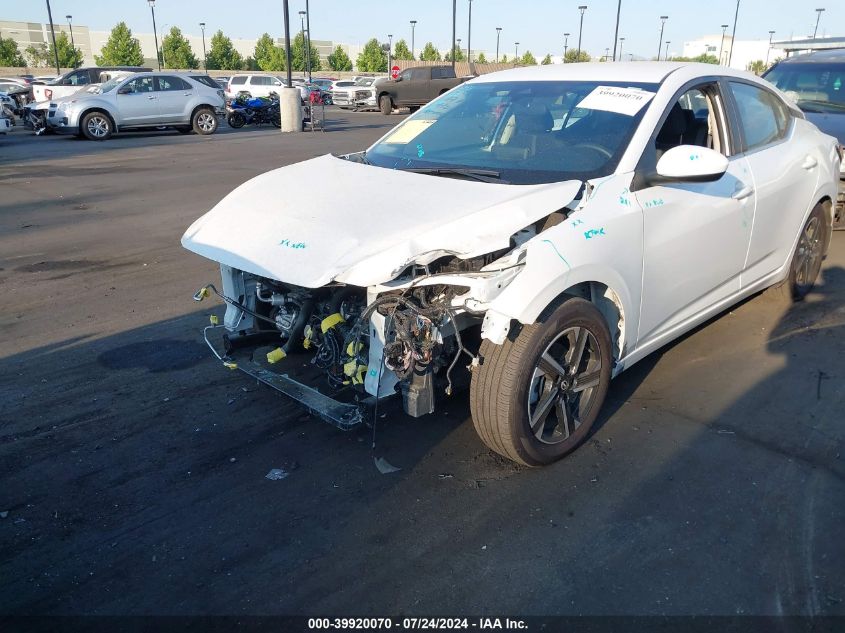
540	230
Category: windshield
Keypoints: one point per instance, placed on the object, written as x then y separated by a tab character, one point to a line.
814	87
524	132
110	84
365	81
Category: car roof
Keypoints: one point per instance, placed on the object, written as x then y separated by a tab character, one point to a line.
635	72
835	56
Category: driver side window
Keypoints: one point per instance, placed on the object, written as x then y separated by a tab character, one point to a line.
692	120
141	84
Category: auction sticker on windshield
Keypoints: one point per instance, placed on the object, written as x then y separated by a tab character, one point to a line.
620	100
409	131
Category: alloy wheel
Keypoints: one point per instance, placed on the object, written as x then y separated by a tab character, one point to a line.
809	253
98	126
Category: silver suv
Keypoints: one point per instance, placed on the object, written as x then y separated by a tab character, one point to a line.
185	101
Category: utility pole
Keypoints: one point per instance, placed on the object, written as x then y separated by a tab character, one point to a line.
722	45
469	34
204	56
818	17
565	45
498	33
581	8
53	33
663	19
616	33
733	35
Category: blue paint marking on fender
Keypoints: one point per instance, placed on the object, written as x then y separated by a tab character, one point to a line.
694	157
420	150
588	235
623	197
557	252
657	202
575	223
294	245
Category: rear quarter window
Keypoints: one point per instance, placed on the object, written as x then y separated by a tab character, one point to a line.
205	80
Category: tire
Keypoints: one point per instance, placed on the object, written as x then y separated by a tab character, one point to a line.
806	261
511	384
97	126
385	104
236	120
204	121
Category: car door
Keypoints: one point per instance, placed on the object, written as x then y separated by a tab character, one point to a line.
695	234
786	172
402	88
137	101
174	97
419	85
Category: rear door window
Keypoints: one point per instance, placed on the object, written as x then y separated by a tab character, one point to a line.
763	117
258	80
205	80
237	81
172	83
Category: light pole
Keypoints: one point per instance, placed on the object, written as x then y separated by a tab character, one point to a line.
606	53
286	8
666	56
621	41
733	35
818	17
516	52
616	33
469	34
459	44
390	54
72	43
204	56
308	31
498	34
769	50
152	4
722	45
306	44
581	8
413	28
302	28
565	45
663	19
53	33
454	27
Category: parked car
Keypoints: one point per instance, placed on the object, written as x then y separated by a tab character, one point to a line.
21	93
416	86
75	79
184	101
359	95
546	226
222	82
259	86
9	104
5	124
816	82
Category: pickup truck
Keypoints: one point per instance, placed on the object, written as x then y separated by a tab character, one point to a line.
416	86
74	80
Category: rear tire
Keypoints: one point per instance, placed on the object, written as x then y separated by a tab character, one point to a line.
535	398
806	261
204	121
385	104
97	126
236	120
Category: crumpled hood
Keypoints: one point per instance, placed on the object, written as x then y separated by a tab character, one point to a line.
330	219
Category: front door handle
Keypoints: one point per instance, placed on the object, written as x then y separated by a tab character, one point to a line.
809	163
743	193
151	97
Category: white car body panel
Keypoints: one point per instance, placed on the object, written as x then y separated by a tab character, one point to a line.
288	239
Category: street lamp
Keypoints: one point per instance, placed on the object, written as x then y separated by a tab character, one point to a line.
53	33
152	4
616	33
606	53
663	19
204	56
469	34
565	45
498	34
722	45
413	27
666	56
302	15
72	43
733	35
769	50
516	52
818	17
390	53
308	31
581	8
621	41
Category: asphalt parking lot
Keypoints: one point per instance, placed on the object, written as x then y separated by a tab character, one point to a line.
132	465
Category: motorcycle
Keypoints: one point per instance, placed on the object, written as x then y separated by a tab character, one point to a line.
244	110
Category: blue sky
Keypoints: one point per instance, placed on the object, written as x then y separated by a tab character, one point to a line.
537	24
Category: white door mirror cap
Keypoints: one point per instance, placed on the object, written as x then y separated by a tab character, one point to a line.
691	163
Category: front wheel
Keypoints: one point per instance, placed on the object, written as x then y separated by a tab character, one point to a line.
96	126
385	104
204	121
535	397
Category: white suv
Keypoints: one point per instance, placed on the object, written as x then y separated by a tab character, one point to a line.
259	86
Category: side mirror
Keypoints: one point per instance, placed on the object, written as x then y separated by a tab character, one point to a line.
124	90
691	163
399	78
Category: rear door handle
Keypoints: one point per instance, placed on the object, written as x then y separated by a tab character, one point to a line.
151	97
743	193
809	163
